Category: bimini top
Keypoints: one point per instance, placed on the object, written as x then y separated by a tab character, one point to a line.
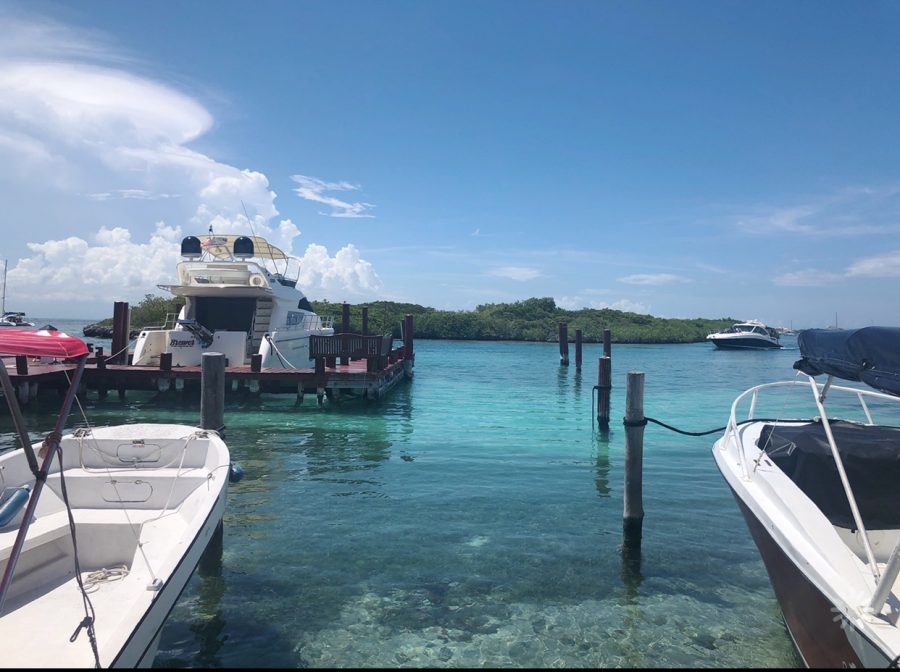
222	247
41	343
870	355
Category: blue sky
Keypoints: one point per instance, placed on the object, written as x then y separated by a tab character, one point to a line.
682	159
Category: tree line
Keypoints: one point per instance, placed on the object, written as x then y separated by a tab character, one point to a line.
535	319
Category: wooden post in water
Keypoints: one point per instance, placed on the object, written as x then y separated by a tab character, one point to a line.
212	392
604	391
563	344
121	327
634	458
365	320
22	365
345	329
607	343
578	348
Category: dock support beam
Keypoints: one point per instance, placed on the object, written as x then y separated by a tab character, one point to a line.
634	458
604	390
212	392
563	344
121	329
345	329
578	348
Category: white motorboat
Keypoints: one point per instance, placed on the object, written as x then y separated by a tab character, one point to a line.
820	492
100	529
749	335
241	298
10	318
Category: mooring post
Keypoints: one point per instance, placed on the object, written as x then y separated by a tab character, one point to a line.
563	344
121	327
634	458
212	392
409	355
604	391
256	362
365	320
607	343
578	348
345	330
22	365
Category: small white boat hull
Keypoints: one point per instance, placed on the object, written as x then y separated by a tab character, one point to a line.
145	497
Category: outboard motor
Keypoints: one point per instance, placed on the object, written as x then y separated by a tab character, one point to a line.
243	247
190	247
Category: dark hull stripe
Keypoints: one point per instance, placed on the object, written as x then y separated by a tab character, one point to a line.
744	343
813	622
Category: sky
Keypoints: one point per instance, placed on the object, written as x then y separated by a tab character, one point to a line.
679	159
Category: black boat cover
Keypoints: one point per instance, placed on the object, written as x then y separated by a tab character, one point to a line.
871	458
870	355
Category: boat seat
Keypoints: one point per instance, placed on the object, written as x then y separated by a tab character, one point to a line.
42	530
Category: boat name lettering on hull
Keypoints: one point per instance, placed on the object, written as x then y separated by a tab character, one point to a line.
181	343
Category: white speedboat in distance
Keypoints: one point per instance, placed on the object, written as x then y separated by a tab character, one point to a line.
821	495
241	298
749	335
100	528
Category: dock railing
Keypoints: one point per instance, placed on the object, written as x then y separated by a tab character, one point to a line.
376	350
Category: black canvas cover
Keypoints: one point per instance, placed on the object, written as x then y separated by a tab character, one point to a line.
870	355
871	458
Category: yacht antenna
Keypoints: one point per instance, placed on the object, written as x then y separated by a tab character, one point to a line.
268	247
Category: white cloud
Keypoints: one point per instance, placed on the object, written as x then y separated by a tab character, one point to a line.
82	136
880	266
519	273
653	279
808	277
313	189
345	272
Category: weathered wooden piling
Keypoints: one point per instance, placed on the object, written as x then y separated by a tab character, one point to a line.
409	355
607	343
345	329
212	392
578	348
604	391
634	458
563	344
121	329
365	320
22	365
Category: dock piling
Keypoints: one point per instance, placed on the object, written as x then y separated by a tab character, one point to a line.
121	328
634	458
578	348
212	392
604	391
563	344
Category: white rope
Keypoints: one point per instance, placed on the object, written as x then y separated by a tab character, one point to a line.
94	580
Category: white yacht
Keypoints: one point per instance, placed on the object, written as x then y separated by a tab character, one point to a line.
819	492
241	298
749	335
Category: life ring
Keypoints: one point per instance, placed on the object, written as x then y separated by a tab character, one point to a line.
257	280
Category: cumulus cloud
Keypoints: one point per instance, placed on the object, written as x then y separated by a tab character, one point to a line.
519	273
313	189
653	279
87	145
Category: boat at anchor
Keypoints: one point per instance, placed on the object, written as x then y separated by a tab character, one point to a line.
749	335
819	489
241	298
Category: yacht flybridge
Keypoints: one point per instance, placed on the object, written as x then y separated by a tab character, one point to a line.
241	298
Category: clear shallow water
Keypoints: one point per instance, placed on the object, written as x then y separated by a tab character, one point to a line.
474	519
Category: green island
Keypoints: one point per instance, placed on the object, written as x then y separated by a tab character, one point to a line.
535	319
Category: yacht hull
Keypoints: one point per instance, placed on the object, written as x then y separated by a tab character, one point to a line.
745	344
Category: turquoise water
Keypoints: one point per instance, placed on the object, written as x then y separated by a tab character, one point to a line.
474	519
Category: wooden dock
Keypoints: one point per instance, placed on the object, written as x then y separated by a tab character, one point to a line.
347	366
